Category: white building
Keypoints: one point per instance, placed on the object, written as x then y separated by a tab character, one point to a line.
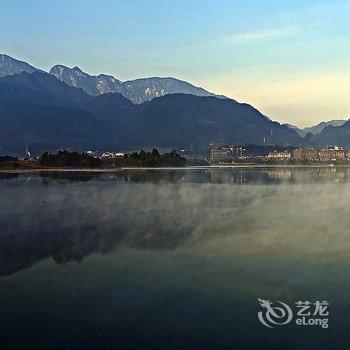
112	155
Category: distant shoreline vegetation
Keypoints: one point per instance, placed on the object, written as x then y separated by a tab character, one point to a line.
78	160
151	159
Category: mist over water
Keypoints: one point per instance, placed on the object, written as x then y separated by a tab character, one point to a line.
172	259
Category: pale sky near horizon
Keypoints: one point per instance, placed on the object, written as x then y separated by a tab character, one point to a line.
288	58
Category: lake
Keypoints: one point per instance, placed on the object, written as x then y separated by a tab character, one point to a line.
174	259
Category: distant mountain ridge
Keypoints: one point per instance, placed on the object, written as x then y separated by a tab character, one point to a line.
11	66
137	91
333	135
92	85
316	129
39	110
333	132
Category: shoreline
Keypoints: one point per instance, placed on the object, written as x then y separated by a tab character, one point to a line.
198	167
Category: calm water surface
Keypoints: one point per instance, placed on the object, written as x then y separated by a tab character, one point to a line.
172	259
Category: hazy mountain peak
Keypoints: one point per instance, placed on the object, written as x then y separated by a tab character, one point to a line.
318	128
11	66
333	134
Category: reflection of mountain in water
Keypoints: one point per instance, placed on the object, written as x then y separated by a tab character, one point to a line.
69	220
68	216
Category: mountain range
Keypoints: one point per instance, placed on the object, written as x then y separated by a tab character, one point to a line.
71	109
316	129
39	110
333	135
137	91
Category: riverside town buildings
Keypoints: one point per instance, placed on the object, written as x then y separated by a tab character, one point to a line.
327	154
332	153
227	154
307	153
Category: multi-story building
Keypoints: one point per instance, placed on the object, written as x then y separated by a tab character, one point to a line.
219	154
226	153
283	155
332	153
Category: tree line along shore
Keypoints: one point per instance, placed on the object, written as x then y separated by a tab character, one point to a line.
84	160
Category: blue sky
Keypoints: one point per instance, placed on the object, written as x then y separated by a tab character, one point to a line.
290	59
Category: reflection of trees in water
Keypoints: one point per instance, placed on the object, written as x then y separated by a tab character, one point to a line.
65	177
205	175
137	176
154	176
